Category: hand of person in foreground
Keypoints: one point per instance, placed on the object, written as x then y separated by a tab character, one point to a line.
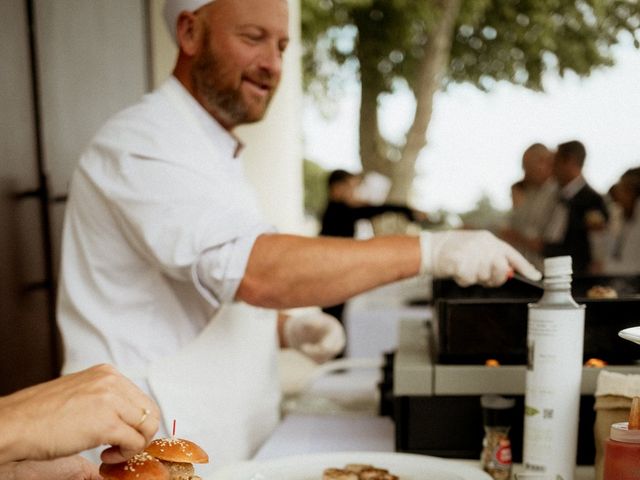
472	257
316	334
77	412
66	468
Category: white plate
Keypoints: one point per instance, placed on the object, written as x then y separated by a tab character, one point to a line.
310	467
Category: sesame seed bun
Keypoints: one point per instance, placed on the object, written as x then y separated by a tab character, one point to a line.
177	450
139	466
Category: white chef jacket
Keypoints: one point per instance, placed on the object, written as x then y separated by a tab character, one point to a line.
157	199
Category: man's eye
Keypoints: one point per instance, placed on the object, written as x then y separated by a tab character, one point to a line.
253	37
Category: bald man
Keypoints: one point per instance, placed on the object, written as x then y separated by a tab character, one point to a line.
169	269
537	196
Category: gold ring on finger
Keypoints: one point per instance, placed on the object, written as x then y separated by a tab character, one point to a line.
145	413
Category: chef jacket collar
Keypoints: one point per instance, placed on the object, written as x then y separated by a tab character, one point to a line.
573	187
228	143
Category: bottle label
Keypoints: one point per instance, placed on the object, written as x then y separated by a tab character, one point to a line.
552	398
502	454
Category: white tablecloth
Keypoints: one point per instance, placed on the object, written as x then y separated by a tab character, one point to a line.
371	319
302	433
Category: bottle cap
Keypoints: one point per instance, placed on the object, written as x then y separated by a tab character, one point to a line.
620	433
556	266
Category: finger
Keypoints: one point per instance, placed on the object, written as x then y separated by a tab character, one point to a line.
89	469
335	340
464	279
147	423
133	405
315	352
500	272
467	273
141	413
484	271
520	264
112	455
129	440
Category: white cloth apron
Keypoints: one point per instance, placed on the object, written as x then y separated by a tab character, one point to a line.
223	389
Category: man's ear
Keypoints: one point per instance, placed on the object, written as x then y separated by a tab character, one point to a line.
188	33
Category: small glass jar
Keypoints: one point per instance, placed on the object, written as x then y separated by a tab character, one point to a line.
495	458
622	453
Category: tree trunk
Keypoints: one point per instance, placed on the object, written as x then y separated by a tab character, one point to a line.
372	145
432	70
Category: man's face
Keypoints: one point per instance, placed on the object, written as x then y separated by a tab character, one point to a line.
564	168
625	195
239	64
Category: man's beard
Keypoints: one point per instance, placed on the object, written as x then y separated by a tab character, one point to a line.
219	100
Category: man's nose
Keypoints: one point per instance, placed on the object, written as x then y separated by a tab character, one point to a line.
271	59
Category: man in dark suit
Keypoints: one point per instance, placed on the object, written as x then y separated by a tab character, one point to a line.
580	212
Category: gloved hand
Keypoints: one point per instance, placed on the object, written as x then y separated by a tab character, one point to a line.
316	334
472	257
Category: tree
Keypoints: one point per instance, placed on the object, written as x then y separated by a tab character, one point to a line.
424	45
315	188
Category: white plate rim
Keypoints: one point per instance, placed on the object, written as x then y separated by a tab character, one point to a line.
298	467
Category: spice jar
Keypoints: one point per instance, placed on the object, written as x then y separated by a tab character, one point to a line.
496	445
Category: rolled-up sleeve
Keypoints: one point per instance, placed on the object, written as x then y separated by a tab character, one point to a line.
218	270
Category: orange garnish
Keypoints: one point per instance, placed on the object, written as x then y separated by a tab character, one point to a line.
595	363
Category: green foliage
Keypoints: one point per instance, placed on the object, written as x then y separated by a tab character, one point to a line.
484	215
512	40
315	188
519	40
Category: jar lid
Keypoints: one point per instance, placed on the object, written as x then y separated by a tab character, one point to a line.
497	410
620	433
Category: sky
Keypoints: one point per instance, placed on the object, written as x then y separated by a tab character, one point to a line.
476	139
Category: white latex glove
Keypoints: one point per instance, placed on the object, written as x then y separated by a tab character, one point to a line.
472	257
317	334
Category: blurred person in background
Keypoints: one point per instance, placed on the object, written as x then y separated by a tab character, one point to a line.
169	268
533	197
345	207
45	425
624	246
579	214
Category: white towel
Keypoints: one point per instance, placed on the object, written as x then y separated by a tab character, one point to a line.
612	383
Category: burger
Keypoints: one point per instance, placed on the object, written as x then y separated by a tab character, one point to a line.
140	466
178	456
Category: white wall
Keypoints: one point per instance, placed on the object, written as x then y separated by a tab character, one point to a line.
273	153
92	63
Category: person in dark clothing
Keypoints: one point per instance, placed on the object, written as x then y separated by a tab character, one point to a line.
580	211
344	209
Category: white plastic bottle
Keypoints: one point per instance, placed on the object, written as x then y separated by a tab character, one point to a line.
555	336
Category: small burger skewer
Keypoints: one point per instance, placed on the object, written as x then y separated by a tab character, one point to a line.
178	456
